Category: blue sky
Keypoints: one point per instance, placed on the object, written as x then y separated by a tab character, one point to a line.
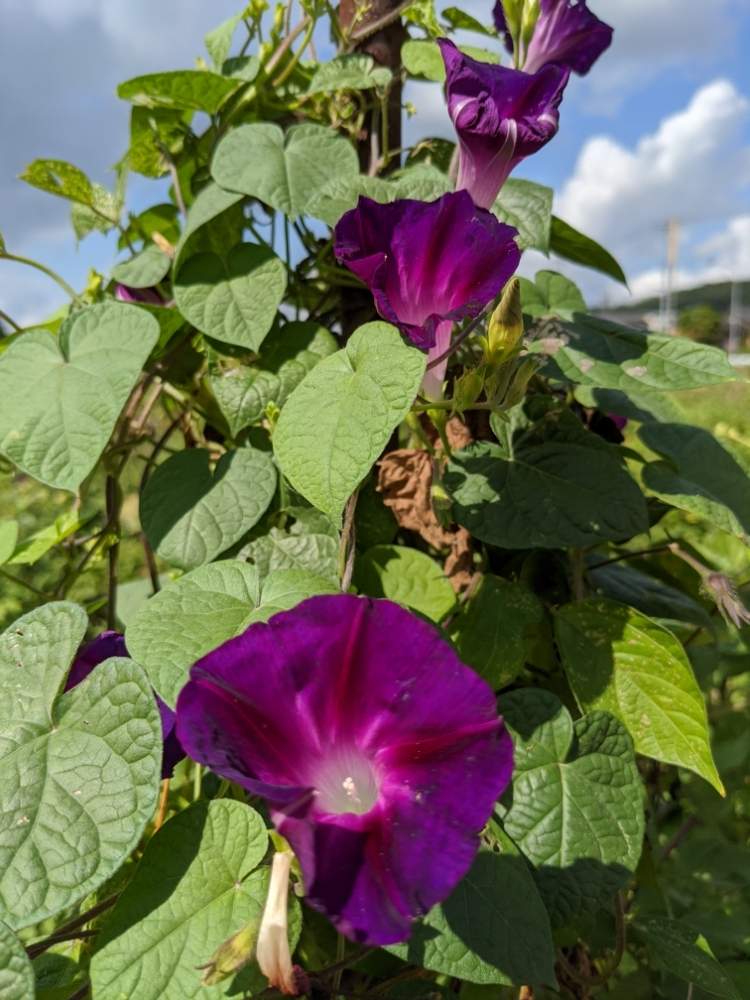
660	129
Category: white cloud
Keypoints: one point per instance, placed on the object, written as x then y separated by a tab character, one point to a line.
692	168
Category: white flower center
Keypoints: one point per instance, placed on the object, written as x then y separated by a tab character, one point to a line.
346	782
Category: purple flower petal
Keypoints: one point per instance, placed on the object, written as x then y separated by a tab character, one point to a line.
110	644
380	753
427	262
150	296
500	115
567	33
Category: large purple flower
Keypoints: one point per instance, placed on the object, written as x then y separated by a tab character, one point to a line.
501	116
567	33
380	753
427	264
113	644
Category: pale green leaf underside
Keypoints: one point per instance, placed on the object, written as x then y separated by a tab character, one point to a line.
622	662
528	207
151	946
78	774
285	172
145	269
16	972
191	514
60	397
234	299
356	71
339	419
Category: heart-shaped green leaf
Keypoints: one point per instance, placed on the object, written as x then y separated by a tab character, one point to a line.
551	294
16	972
79	773
408	577
191	514
284	172
210	203
145	269
577	809
339	419
203	609
528	208
60	398
183	89
355	71
233	300
313	553
155	941
618	660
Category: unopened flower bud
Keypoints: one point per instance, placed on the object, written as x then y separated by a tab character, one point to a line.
467	389
505	329
520	382
513	10
274	955
232	955
529	18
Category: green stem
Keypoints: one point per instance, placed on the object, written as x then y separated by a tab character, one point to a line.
45	270
292	64
113	524
10	321
22	583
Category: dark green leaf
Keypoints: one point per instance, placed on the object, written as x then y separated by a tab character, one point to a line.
644	407
181	90
567	242
679	949
577	809
191	515
498	629
16	973
493	928
619	661
651	596
699	475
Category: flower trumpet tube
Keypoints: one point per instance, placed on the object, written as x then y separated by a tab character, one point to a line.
273	954
566	33
428	265
500	115
380	753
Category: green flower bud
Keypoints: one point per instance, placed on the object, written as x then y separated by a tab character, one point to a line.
530	16
505	329
232	955
467	389
513	10
523	374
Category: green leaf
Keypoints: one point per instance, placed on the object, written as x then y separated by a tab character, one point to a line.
596	352
219	41
422	58
577	803
647	594
232	300
340	195
202	610
79	774
339	419
406	576
188	619
154	132
313	553
60	397
285	589
191	515
195	886
644	407
422	13
699	475
16	972
493	928
422	182
8	539
31	549
66	181
349	72
528	207
551	294
552	495
680	950
180	90
146	269
289	353
619	661
461	21
209	204
284	172
498	628
567	242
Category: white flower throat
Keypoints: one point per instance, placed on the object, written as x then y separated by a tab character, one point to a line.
345	782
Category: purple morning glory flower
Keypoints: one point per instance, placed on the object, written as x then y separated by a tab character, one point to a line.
427	264
501	116
567	33
113	644
380	753
150	296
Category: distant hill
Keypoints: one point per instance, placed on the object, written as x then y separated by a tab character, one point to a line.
717	296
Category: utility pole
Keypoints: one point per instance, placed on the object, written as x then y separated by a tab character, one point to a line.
735	320
673	249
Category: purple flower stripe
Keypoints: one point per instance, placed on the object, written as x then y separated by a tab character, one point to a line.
380	753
